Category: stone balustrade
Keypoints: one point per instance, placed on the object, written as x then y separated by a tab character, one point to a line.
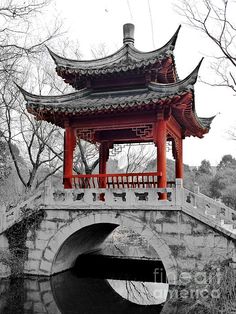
126	197
136	198
209	207
111	197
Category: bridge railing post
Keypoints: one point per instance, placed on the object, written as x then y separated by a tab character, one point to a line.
179	192
196	188
196	191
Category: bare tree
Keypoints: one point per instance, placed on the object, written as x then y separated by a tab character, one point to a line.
86	157
19	43
47	81
18	34
216	20
138	157
38	141
99	51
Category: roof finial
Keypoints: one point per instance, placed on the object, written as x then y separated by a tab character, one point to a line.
128	31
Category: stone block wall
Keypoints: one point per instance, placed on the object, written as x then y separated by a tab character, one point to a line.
39	297
182	242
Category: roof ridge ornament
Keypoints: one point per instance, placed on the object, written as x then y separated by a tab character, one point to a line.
128	33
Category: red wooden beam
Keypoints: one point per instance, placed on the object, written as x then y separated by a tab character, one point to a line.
69	145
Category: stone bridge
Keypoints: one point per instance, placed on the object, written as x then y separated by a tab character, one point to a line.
187	231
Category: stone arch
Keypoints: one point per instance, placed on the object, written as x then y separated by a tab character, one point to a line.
103	223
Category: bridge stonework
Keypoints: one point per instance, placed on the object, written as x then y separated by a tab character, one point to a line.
187	231
183	243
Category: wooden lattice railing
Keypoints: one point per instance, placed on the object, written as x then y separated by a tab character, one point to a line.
118	180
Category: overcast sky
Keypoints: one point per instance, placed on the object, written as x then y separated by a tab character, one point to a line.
92	22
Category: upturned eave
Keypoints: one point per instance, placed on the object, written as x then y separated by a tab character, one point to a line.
179	97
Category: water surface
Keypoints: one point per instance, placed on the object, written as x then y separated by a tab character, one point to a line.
95	285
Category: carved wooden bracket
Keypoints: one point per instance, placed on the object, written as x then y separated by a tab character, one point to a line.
143	131
86	134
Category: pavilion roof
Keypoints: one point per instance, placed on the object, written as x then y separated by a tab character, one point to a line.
126	59
178	96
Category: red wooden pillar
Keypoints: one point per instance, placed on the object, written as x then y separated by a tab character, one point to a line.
179	169
103	157
69	145
161	153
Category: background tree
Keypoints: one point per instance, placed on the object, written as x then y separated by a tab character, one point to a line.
137	158
227	161
203	176
86	157
5	167
37	141
216	21
21	36
205	167
223	184
21	39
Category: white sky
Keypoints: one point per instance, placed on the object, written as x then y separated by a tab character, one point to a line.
92	22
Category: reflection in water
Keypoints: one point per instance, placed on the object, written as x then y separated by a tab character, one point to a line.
82	291
139	292
94	295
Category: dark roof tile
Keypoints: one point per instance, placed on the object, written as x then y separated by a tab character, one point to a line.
125	59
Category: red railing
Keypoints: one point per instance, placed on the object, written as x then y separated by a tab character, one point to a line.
118	180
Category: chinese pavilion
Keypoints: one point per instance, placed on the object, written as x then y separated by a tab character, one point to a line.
127	97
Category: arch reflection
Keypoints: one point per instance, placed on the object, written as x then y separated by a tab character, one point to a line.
139	292
101	284
76	295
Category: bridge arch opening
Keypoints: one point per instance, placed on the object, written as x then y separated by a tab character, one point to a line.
125	261
126	242
86	234
86	240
